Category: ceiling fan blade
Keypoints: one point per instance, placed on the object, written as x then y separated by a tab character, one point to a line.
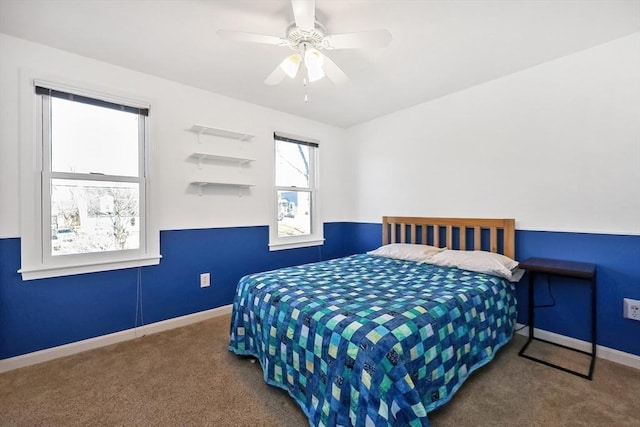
304	12
376	38
275	77
333	72
251	37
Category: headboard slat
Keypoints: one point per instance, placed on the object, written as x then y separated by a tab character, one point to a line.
503	228
493	239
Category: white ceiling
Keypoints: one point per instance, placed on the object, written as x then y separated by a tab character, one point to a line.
438	47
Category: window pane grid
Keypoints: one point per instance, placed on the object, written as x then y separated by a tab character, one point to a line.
94	177
93	173
295	194
293	189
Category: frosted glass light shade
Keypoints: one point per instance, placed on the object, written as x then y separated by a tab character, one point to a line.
313	60
291	64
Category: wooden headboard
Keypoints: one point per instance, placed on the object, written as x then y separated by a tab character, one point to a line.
492	234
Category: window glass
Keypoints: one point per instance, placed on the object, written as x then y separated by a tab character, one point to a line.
92	180
92	139
295	220
85	210
294	213
94	216
292	164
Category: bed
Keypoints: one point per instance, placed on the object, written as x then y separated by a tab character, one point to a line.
379	340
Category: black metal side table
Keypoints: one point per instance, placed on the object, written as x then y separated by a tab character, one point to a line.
572	269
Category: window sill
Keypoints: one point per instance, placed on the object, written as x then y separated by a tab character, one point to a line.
295	245
42	272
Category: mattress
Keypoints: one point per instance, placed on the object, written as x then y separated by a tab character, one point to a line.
365	340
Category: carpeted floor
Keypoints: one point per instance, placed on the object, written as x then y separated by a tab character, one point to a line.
188	377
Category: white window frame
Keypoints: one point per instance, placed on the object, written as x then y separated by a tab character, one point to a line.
316	237
35	206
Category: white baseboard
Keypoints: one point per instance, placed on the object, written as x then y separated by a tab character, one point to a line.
602	352
101	341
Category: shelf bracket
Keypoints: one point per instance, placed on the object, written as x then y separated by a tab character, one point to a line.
244	190
200	186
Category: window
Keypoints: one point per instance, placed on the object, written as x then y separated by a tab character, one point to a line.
296	222
92	204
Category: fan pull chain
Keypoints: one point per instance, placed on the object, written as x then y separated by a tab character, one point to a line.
306	97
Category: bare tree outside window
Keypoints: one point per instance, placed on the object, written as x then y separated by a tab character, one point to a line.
124	215
90	218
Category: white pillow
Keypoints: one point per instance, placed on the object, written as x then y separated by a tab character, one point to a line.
405	251
479	261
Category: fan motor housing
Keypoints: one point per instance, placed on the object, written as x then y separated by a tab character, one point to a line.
295	36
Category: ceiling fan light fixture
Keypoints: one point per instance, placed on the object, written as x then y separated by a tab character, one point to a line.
291	64
313	61
307	37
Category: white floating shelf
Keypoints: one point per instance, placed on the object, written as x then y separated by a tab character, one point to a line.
239	185
231	159
223	183
207	130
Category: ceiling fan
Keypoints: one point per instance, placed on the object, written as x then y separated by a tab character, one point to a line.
307	38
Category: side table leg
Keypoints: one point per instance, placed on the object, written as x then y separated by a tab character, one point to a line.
531	303
530	314
593	325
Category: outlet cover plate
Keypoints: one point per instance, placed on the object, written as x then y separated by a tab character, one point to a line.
631	309
205	280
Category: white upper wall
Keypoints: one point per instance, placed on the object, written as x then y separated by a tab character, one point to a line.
174	108
556	146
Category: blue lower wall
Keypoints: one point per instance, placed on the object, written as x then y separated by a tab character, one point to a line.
618	276
46	313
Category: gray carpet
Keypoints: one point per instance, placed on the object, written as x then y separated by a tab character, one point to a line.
187	377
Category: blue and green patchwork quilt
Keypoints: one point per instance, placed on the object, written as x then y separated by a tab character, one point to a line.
369	341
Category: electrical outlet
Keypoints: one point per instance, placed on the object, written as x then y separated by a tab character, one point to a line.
631	309
205	280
